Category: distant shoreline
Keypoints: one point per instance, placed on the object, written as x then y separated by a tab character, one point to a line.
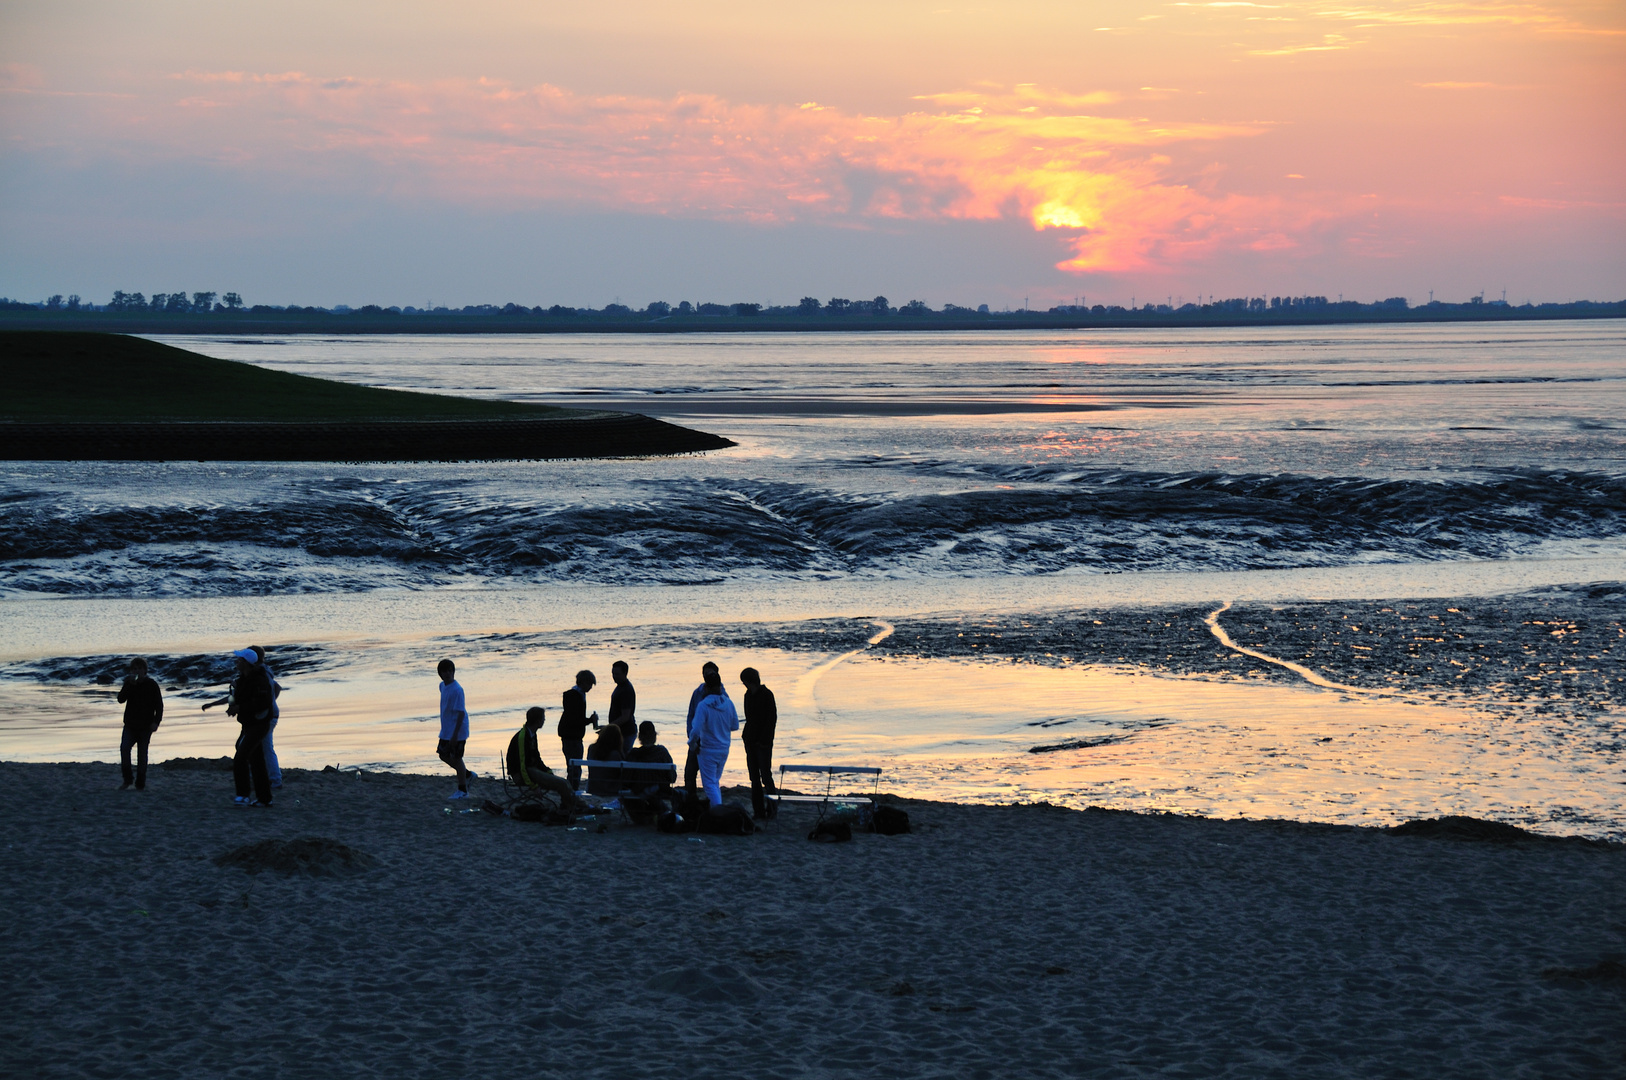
1347	313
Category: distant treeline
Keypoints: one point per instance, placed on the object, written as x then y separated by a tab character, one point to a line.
209	312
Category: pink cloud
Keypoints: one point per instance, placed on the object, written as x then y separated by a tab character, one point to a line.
1107	183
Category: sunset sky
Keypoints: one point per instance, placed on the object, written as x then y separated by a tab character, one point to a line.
584	153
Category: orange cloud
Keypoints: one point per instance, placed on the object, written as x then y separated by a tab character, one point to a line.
1022	152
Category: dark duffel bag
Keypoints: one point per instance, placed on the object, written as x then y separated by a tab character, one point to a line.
727	820
890	821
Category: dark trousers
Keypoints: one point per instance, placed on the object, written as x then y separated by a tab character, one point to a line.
250	760
573	773
691	770
759	765
138	738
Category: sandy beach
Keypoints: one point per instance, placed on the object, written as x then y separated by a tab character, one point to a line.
990	941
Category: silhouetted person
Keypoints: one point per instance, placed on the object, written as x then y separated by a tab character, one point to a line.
573	721
711	733
624	704
708	674
273	768
143	712
525	766
761	717
650	750
607	747
251	703
454	727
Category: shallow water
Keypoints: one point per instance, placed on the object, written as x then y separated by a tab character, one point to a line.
877	476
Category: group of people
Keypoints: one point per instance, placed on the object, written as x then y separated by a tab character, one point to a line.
252	699
708	729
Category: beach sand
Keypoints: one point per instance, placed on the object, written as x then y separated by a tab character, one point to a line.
1016	941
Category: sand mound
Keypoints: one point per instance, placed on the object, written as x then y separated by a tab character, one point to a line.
1466	828
198	764
720	983
312	856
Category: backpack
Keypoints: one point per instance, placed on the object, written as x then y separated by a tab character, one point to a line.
728	819
890	821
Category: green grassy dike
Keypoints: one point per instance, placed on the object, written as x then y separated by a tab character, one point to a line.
108	397
65	377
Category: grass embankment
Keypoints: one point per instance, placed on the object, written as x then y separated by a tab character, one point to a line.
112	378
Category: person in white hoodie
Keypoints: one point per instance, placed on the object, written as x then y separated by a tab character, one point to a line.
711	733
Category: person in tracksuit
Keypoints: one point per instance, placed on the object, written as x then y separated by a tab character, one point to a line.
710	734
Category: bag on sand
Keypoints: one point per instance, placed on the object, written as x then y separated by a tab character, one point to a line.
890	821
727	820
674	822
547	815
831	832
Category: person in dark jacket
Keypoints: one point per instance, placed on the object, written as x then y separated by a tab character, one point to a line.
761	717
573	721
624	705
251	704
650	751
605	783
143	711
525	766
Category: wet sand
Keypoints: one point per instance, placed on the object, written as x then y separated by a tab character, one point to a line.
991	941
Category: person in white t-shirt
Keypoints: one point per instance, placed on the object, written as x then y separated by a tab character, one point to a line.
454	727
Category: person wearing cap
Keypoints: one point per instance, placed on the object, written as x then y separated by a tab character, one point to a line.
273	767
143	712
573	721
251	703
454	727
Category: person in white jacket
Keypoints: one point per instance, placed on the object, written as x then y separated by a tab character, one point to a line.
715	722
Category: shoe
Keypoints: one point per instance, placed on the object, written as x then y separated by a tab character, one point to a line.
472	774
256	802
458	795
240	800
125	786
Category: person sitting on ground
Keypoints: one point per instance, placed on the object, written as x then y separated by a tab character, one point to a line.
605	783
143	712
652	790
650	751
525	765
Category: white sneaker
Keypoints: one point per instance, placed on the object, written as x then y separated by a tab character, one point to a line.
240	800
458	795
